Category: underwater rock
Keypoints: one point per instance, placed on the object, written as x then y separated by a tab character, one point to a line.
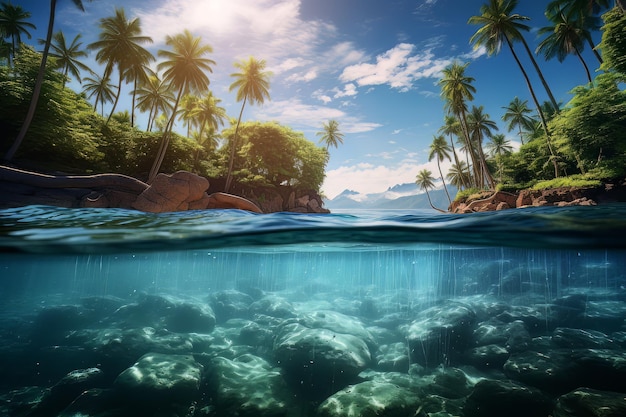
230	304
67	389
590	403
446	382
579	338
248	386
98	402
497	398
273	305
157	379
561	370
487	356
52	323
338	322
393	357
319	361
190	318
371	398
440	334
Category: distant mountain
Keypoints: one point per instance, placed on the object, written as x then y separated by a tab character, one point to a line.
400	196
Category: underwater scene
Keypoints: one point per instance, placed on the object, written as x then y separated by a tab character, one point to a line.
108	312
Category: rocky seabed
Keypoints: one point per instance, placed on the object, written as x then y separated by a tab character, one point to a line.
321	354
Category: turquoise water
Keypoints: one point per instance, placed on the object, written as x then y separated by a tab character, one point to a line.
438	306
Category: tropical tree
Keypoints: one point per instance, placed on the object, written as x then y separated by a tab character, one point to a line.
457	89
13	24
459	175
565	37
585	14
155	97
481	127
452	128
517	116
440	150
67	56
185	67
252	84
425	181
186	110
119	45
102	88
139	73
500	25
613	41
209	114
38	81
330	134
498	146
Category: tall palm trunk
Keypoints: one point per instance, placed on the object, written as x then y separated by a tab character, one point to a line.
117	96
231	162
443	181
456	157
37	88
541	115
165	140
582	61
541	77
470	147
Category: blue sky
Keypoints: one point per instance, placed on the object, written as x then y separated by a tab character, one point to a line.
372	65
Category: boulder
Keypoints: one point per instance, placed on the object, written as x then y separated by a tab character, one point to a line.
496	398
590	403
157	379
248	386
372	398
173	192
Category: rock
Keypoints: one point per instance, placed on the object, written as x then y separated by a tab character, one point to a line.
369	399
230	304
448	383
487	356
440	334
249	386
392	358
158	379
340	323
229	201
590	403
190	318
68	389
579	338
319	361
172	192
274	306
496	398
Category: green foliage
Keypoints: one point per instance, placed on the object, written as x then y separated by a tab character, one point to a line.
573	181
613	45
272	154
592	127
462	194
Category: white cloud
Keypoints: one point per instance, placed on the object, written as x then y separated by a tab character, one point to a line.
398	67
349	90
298	114
319	95
370	178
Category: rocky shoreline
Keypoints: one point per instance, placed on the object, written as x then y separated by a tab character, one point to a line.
560	197
179	191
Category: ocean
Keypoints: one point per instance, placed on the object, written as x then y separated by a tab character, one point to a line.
110	312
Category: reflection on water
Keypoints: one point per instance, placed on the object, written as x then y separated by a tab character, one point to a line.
123	314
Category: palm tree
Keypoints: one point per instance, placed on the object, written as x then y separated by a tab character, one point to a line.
38	82
425	181
481	127
585	13
67	56
330	134
13	25
119	45
187	107
499	25
154	96
252	84
565	37
185	68
498	146
102	88
459	175
439	149
139	73
209	114
456	89
517	116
